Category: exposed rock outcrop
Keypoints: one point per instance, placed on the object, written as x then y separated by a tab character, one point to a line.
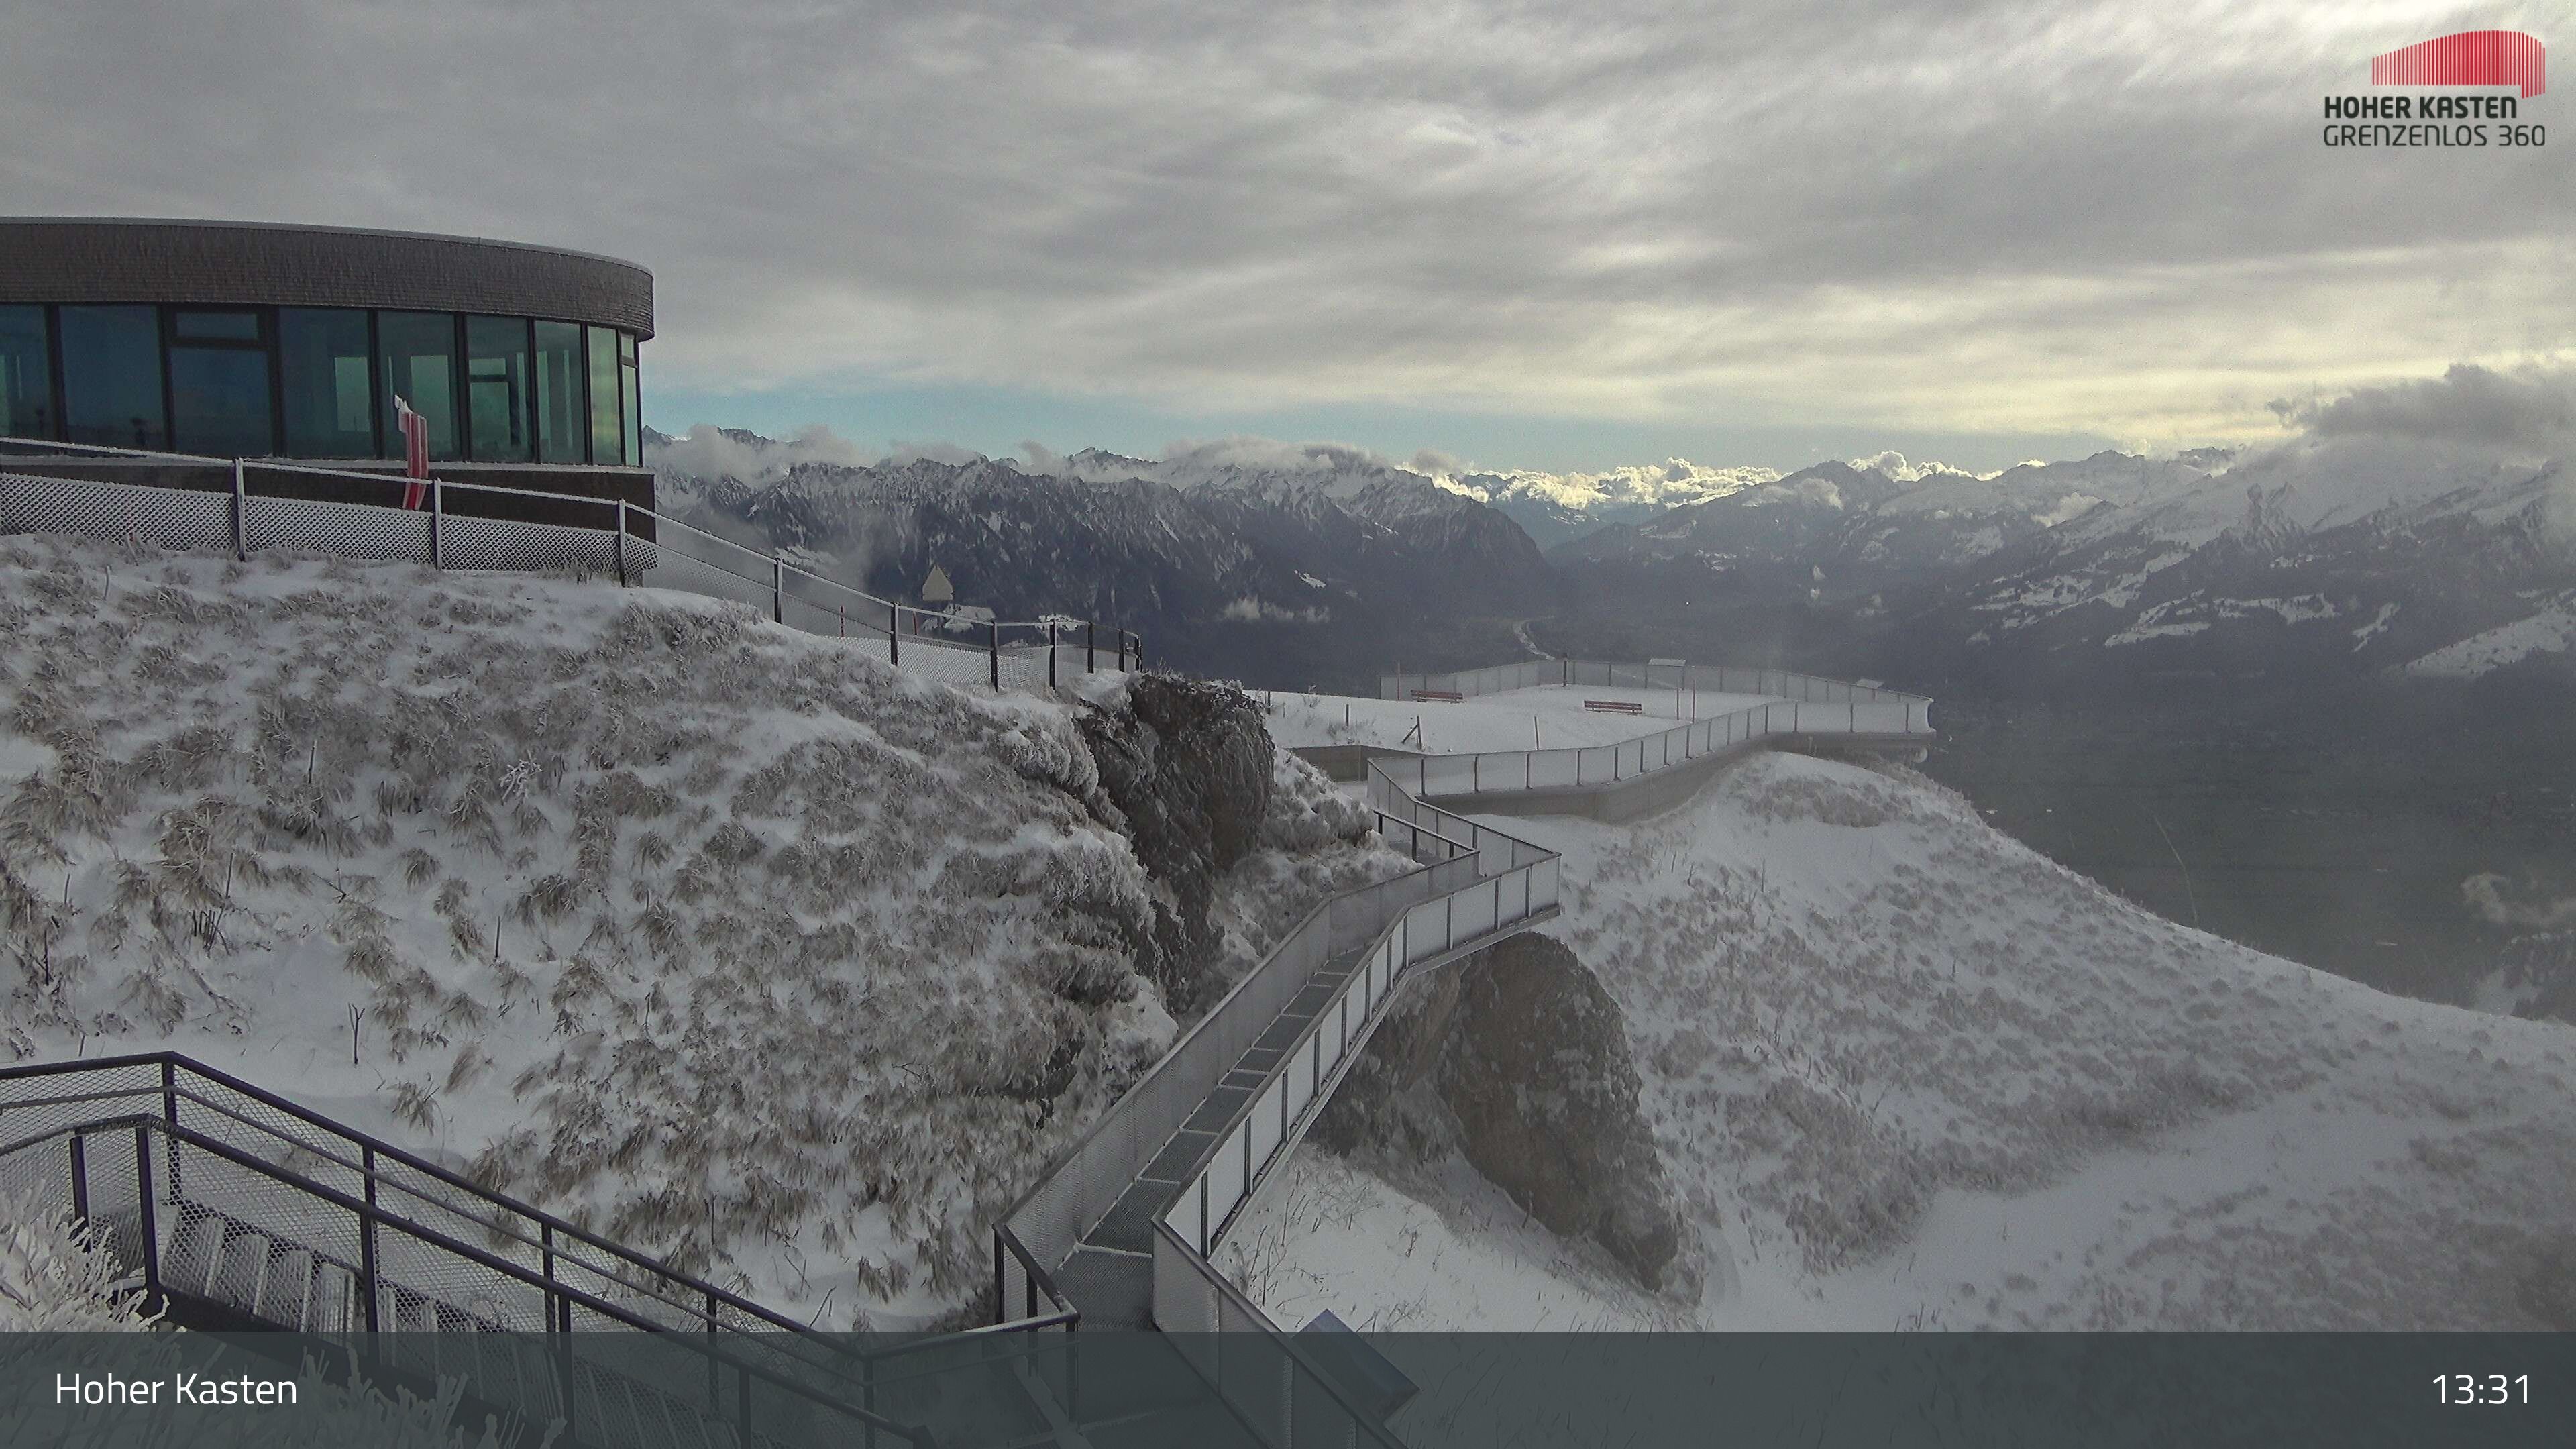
1186	769
1518	1060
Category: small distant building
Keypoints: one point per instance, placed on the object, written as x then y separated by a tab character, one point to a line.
936	590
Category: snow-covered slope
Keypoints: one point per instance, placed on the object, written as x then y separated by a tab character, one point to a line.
1908	1073
2335	554
717	937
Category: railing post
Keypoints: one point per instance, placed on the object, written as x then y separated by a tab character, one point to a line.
241	520
438	524
367	1240
170	1114
558	1325
715	1375
894	634
620	546
1090	646
1050	655
993	649
777	589
80	1177
143	1195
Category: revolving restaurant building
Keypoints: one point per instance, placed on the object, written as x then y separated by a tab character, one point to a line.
229	340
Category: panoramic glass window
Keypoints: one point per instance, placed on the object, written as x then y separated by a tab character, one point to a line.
26	377
500	425
330	404
563	426
605	428
218	384
419	350
215	326
630	399
112	377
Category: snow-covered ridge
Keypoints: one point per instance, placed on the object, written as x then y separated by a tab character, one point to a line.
722	939
1910	1073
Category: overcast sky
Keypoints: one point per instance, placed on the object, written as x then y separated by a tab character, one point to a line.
1547	235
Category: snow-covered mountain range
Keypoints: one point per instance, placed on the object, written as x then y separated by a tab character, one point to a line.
1209	557
2427	524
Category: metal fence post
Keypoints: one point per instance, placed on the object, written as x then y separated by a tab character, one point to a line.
1050	656
241	521
993	649
367	1237
80	1177
437	524
143	1196
170	1114
1090	646
619	546
777	589
894	634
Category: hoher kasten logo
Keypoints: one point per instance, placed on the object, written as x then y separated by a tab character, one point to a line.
2483	61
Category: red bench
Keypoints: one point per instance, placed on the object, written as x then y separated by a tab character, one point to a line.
1446	696
1615	706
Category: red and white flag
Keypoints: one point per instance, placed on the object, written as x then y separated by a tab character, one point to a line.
415	431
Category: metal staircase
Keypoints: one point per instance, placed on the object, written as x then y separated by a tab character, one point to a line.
234	1209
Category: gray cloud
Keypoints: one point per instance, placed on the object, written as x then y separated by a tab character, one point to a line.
2531	409
1941	215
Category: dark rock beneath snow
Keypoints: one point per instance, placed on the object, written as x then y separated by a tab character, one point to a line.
1187	767
1518	1060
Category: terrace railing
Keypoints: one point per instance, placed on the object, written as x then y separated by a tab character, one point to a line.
1808	707
264	505
1683	678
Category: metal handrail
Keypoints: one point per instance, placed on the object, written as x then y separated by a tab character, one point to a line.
623	1258
1251	1312
1466	844
1564	668
1121	634
368	1212
175	1060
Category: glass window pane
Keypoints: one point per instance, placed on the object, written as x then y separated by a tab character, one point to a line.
563	424
632	407
496	388
420	368
26	376
330	404
219	401
216	326
112	376
605	432
626	348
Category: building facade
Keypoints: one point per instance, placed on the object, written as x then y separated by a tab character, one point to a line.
245	340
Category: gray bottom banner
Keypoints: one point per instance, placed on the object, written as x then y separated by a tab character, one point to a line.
1429	1391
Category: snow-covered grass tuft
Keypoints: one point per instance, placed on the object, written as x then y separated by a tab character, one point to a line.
706	933
57	1276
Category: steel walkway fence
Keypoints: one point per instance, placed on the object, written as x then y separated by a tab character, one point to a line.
469	526
234	1208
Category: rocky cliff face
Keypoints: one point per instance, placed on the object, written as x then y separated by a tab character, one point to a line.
1518	1060
1186	770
